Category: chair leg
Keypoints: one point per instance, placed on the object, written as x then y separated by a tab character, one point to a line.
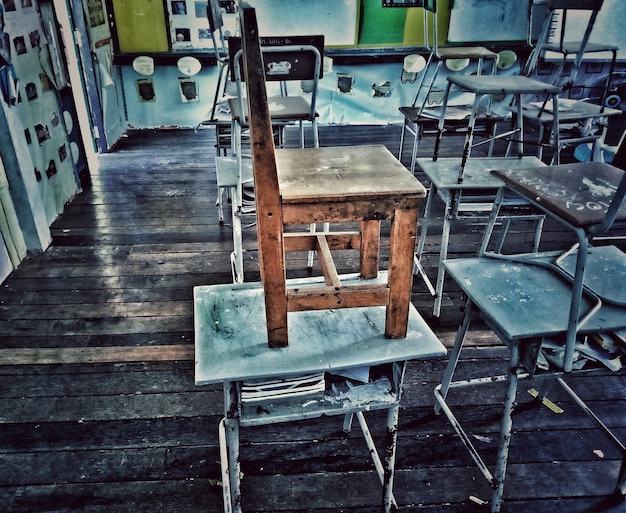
443	254
417	264
453	357
401	149
229	453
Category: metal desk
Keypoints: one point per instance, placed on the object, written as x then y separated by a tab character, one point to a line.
570	112
525	298
522	302
232	347
515	85
472	197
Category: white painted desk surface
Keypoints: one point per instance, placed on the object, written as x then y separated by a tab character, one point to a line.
231	337
444	173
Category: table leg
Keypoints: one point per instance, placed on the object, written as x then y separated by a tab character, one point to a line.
505	429
390	457
232	488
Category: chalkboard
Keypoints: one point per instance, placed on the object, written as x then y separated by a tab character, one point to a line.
488	20
337	20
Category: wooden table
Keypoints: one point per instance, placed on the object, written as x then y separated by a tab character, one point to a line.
232	347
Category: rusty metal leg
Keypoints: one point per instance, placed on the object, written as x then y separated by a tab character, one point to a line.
230	450
378	464
505	429
390	457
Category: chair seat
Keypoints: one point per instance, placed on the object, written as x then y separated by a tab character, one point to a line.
579	193
465	52
337	174
282	108
502	84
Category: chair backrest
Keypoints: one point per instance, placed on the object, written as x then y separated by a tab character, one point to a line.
555	27
267	193
430	25
285	59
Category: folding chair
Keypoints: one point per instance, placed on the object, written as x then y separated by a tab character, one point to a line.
580	121
286	60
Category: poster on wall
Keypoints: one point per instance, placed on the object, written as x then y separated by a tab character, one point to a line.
36	107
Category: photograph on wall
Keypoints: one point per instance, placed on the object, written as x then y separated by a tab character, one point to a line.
96	13
183	35
20	45
35	39
31	91
201	8
179	7
42	133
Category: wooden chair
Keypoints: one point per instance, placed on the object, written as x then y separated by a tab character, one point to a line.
317	185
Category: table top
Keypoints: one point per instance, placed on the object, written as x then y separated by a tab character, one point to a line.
504	84
444	173
231	337
343	173
579	193
525	300
568	111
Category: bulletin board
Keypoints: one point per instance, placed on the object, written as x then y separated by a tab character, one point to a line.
141	26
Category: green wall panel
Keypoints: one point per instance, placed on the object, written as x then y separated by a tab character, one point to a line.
141	25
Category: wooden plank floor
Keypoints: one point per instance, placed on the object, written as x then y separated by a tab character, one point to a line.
98	407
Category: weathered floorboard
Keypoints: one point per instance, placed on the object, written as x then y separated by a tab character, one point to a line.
98	408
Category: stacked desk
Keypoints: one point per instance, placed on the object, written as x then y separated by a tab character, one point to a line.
232	348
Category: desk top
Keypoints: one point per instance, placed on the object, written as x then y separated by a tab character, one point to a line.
343	173
231	337
444	173
579	193
568	111
526	300
504	84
